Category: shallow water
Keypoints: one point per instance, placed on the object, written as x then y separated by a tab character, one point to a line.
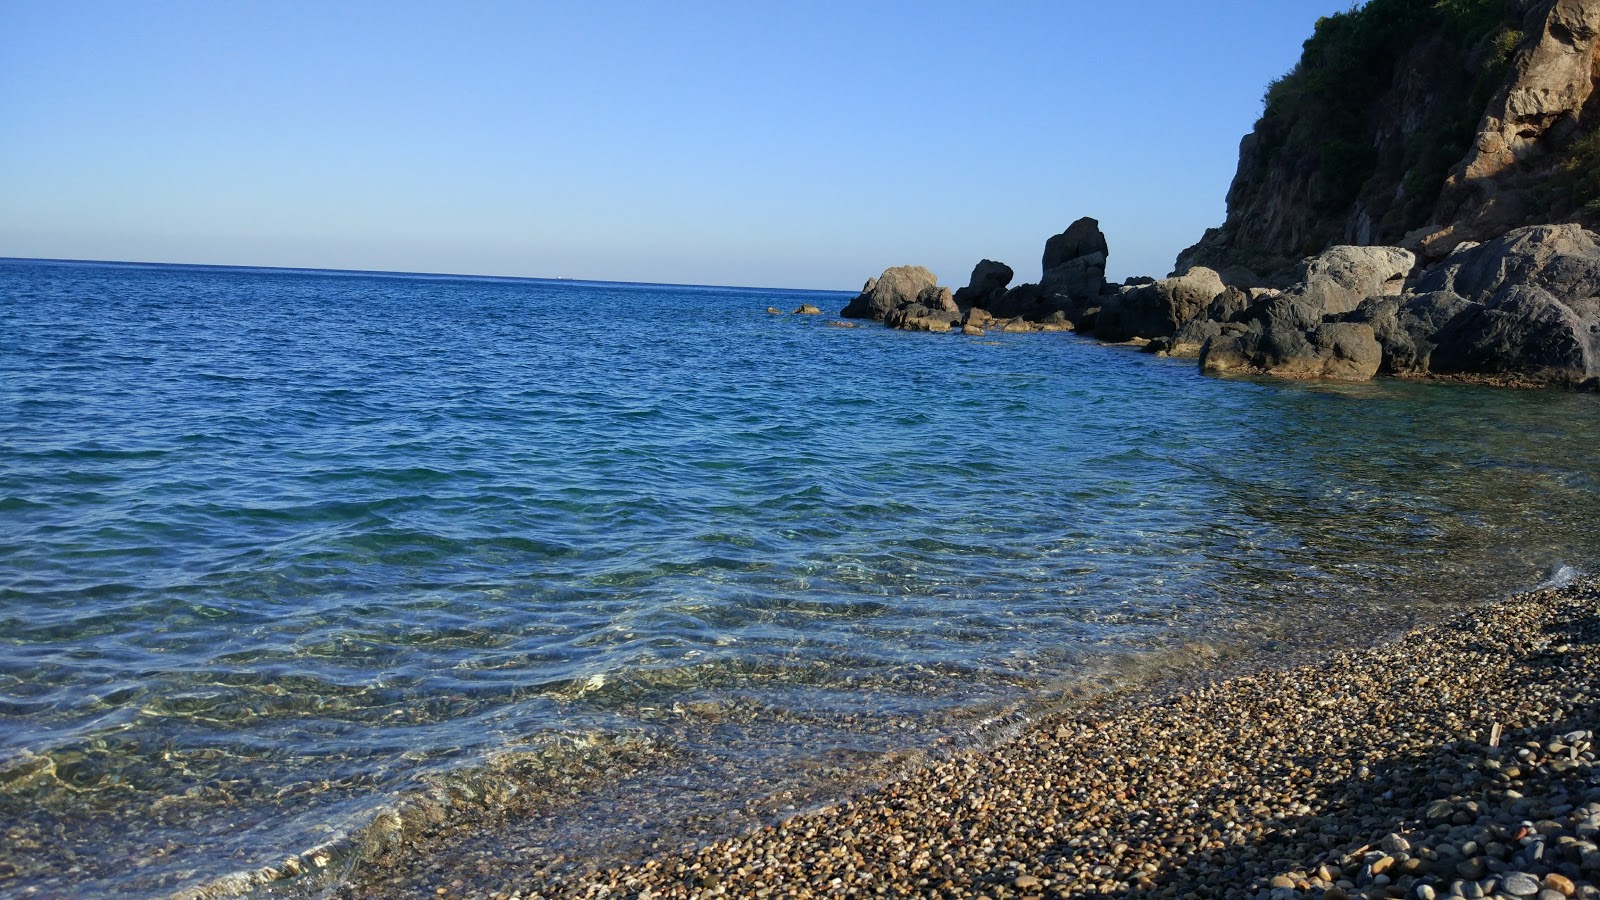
279	547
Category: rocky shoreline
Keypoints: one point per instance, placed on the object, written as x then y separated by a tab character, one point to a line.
1457	759
1523	309
1372	227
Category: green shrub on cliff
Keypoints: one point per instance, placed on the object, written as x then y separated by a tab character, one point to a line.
1323	111
1577	176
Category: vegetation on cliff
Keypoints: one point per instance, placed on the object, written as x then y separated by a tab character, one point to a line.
1423	123
1328	109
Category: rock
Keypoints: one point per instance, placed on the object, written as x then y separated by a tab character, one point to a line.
1520	884
1339	278
1407	327
1074	267
1529	308
1159	309
989	279
1192	337
1337	351
1082	238
1230	305
774	311
1532	114
971	329
806	309
1394	843
1337	158
938	297
1025	883
1020	300
977	316
917	317
1559	883
896	287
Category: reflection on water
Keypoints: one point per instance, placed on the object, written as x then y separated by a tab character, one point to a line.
279	551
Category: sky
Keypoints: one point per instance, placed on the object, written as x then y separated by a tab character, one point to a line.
745	143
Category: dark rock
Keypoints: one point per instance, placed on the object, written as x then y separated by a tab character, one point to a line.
1336	350
938	297
1523	307
917	317
989	278
1228	306
1193	336
1074	269
1082	238
1022	300
1158	309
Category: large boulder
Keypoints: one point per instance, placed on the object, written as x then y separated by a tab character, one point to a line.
1074	267
938	297
1525	308
1158	309
1082	238
989	279
1024	300
1406	327
1563	260
896	287
1336	350
1339	278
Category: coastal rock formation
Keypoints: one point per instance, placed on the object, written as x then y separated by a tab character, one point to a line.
1073	283
896	287
1074	267
1157	309
1522	309
1419	123
1339	278
989	279
1338	351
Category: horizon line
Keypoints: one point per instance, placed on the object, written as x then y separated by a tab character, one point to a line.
399	273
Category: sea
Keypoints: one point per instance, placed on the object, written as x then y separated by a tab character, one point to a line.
299	569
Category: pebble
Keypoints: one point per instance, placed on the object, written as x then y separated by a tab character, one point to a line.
1366	774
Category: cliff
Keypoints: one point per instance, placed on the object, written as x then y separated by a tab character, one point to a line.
1419	123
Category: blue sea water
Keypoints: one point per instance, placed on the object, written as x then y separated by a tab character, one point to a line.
283	550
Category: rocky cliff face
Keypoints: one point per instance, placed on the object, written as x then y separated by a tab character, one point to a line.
1421	123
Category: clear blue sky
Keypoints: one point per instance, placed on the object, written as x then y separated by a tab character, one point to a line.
746	142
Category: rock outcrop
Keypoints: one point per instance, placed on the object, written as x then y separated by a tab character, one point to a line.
1159	308
1422	124
896	287
989	280
1522	309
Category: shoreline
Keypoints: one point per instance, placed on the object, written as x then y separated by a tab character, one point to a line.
1368	773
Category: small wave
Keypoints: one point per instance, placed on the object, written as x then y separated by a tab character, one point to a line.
1560	576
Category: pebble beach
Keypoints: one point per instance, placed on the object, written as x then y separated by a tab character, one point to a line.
1454	760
